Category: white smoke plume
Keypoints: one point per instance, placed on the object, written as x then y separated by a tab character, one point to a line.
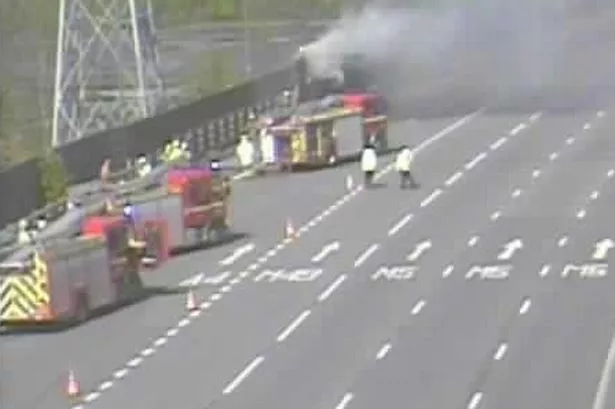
486	48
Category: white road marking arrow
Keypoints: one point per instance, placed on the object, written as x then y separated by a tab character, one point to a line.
326	250
419	250
237	253
510	248
602	249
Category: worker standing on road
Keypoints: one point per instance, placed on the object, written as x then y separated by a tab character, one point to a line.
267	146
369	162
185	151
403	165
245	152
143	166
23	235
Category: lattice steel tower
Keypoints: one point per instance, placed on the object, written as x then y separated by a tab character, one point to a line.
107	67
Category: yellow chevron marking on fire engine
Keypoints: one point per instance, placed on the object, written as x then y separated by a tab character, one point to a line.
21	296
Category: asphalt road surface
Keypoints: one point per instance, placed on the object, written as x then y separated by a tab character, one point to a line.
487	287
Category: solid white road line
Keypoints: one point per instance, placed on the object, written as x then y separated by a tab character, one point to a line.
243	375
605	378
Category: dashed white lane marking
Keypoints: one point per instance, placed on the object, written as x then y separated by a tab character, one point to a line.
327	293
544	271
433	196
134	363
516	193
610	173
366	254
525	307
237	254
536	116
562	241
581	214
418	307
147	352
553	156
473	240
497	144
456	176
383	351
400	224
293	326
345	401
535	173
495	215
501	351
105	385
517	129
243	375
600	114
120	374
595	194
470	165
475	401
91	397
587	126
160	342
447	271
570	141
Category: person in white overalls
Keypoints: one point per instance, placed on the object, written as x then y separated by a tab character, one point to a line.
369	163
267	146
245	152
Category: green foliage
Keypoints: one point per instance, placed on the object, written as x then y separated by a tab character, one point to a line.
215	71
226	9
54	177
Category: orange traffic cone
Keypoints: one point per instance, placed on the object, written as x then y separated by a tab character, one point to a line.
191	301
289	230
73	389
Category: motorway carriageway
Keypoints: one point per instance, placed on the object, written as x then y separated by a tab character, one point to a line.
488	287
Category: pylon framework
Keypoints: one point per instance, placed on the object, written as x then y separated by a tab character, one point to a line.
106	67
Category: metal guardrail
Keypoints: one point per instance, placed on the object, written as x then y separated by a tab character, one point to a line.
64	217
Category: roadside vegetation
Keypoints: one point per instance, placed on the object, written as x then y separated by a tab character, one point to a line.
27	62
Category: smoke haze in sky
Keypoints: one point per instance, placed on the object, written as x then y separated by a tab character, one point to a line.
481	50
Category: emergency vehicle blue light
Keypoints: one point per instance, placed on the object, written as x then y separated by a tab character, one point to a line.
215	165
128	211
